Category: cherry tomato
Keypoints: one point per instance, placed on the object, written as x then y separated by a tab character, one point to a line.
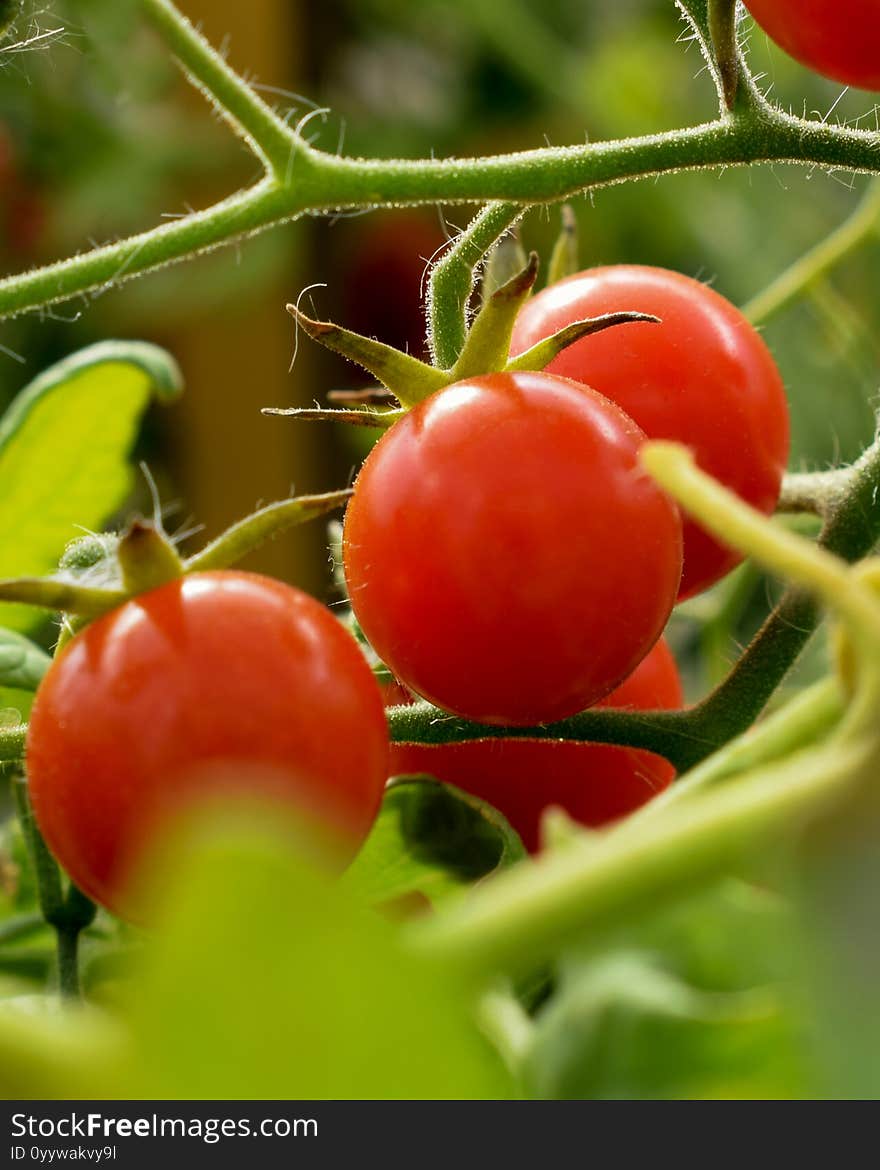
838	38
505	554
594	783
213	684
703	377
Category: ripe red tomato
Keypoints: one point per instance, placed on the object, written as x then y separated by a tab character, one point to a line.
219	683
505	554
703	377
594	783
838	38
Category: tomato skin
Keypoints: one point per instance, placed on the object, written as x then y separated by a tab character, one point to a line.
838	38
505	554
594	783
222	682
703	377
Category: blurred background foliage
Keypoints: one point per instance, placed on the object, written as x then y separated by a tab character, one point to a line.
99	137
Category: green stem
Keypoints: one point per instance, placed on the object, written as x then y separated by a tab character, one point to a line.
266	133
782	552
50	892
669	733
851	530
68	913
714	25
67	958
114	264
452	280
816	492
324	182
722	26
815	264
524	915
12	741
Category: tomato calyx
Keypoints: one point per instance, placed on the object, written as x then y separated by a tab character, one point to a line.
146	557
405	381
99	572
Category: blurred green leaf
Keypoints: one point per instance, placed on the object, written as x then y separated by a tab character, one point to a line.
839	950
64	443
430	839
22	666
49	1051
693	1004
266	981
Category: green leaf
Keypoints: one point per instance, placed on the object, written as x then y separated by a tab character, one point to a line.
627	1029
22	663
431	839
64	444
265	980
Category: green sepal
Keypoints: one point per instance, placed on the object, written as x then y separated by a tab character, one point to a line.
241	538
506	260
381	419
539	356
487	346
61	596
565	257
407	378
147	558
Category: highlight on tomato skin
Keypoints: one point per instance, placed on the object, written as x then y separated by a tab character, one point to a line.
505	554
839	39
703	377
593	783
221	685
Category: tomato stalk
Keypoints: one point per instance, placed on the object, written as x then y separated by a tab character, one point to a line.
722	26
67	910
452	280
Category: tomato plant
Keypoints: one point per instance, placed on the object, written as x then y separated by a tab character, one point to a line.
593	783
702	376
488	549
512	548
838	38
222	683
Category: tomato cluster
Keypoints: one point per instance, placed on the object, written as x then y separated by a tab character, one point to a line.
506	556
509	561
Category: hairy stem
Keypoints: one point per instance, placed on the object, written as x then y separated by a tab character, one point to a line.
325	182
67	912
452	281
267	135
